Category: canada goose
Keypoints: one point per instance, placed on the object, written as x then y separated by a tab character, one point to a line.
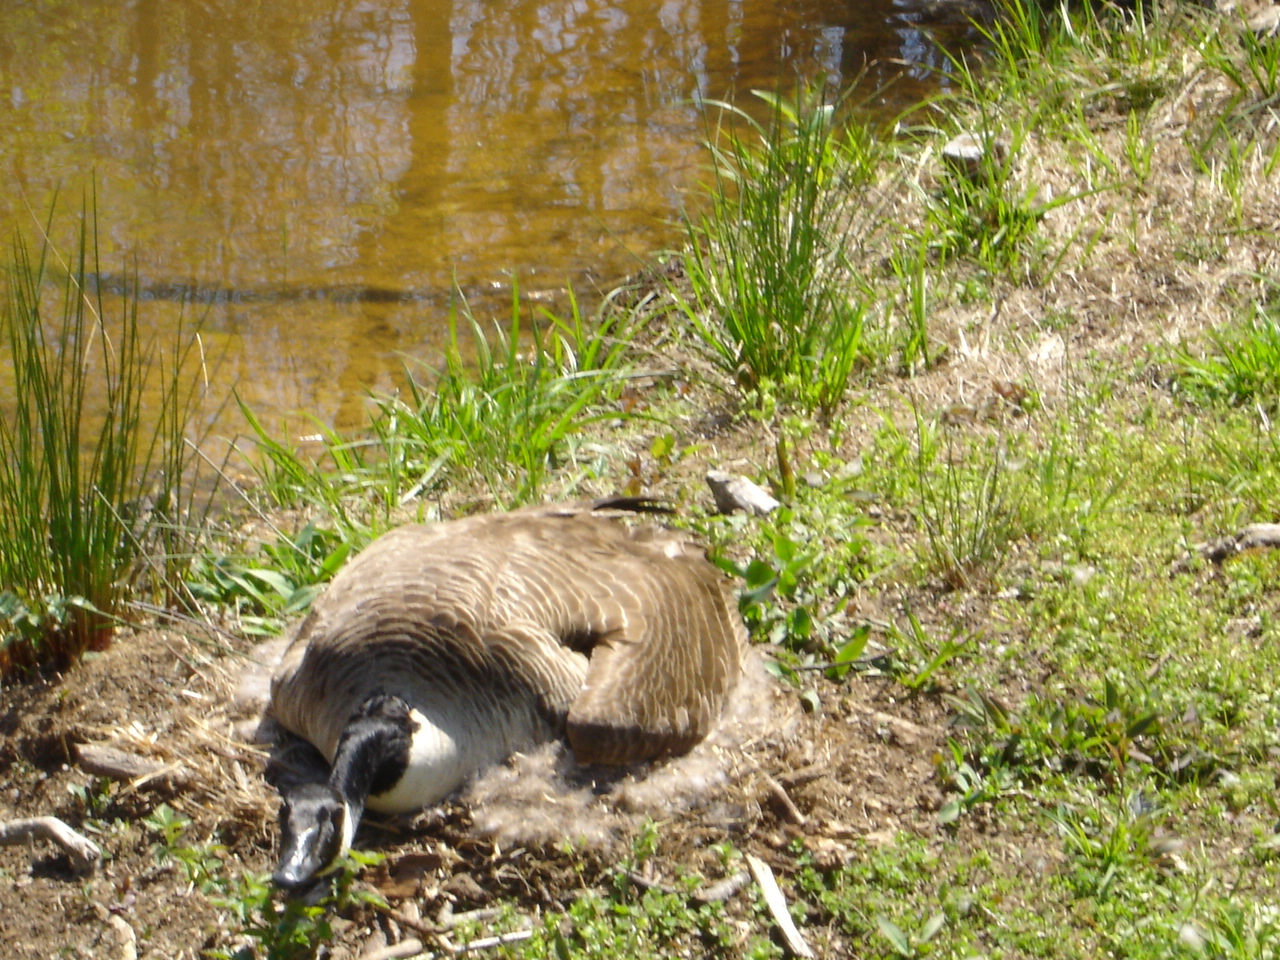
443	649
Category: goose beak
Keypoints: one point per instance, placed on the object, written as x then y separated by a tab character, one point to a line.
313	835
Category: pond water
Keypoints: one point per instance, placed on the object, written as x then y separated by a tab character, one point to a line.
314	177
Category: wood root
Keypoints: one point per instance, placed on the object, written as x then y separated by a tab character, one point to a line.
102	760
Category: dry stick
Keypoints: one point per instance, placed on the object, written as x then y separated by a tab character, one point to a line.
484	943
790	811
397	951
445	923
447	919
1158	666
723	889
84	853
777	905
648	883
417	926
805	774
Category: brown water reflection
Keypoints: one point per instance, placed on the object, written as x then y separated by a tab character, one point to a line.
319	173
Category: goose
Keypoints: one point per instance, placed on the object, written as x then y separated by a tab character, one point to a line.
442	649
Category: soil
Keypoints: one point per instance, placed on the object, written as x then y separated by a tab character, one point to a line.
861	767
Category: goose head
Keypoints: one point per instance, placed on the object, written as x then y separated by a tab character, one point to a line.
316	828
318	820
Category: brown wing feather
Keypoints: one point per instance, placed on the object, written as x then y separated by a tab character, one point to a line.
658	687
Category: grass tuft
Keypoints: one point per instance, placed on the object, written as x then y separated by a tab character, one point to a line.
508	419
971	511
769	263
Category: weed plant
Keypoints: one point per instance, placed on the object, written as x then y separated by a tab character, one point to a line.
95	490
627	920
971	511
989	217
266	591
291	930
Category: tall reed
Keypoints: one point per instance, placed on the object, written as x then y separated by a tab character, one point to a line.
92	482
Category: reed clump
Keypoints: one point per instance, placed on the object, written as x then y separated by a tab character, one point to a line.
94	459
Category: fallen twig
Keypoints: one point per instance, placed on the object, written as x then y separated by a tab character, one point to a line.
414	924
777	905
723	889
447	919
806	774
648	883
395	951
1253	536
485	943
105	761
84	853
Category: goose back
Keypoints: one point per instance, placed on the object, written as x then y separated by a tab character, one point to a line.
503	630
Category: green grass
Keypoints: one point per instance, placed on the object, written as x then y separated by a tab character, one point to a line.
505	414
96	485
502	414
292	930
971	512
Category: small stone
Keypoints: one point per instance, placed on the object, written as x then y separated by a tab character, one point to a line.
1191	936
973	156
1266	22
733	492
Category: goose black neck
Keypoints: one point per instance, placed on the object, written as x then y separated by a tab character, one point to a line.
373	751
